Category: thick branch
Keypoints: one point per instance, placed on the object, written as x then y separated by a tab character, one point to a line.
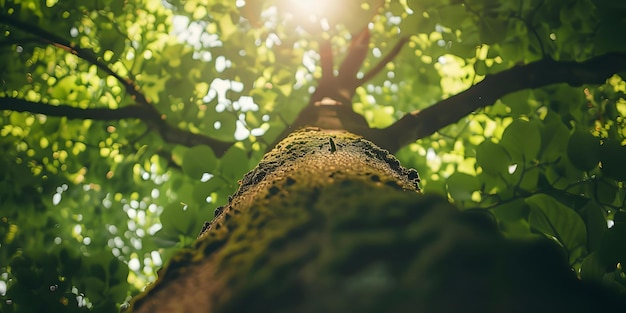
336	111
168	132
326	60
101	114
423	123
359	46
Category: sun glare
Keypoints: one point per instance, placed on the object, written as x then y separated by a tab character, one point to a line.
312	10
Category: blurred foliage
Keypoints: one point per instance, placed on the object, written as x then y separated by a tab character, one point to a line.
89	209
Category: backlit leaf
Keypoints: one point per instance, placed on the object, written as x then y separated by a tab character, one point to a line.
199	160
460	186
522	140
492	158
556	220
583	150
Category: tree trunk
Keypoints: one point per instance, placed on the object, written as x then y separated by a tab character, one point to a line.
328	222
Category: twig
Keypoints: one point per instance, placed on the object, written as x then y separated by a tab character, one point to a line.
388	58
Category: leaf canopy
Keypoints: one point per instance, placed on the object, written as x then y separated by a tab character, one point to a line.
124	124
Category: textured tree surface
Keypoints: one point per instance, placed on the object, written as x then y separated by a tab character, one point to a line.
125	124
328	222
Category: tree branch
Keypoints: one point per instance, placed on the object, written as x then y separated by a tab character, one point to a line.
143	110
73	48
326	60
423	123
101	114
359	46
168	132
388	58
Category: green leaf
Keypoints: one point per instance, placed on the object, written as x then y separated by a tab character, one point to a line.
612	156
165	238
530	179
200	192
493	30
512	211
492	158
522	140
118	271
94	288
604	39
227	28
199	160
179	218
606	193
554	138
111	40
118	293
619	217
613	246
227	125
64	87
592	268
556	220
583	150
512	49
595	222
460	186
234	163
518	102
480	67
453	16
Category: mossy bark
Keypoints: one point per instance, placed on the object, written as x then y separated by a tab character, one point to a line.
328	222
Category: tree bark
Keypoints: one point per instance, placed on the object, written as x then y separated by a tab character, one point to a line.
329	222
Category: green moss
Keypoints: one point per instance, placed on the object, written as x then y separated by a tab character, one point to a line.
315	157
331	239
320	229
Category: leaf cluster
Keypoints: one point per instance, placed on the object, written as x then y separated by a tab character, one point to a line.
124	124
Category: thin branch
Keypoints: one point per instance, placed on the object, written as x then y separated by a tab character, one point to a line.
468	7
388	58
534	31
73	48
340	89
542	73
529	25
168	132
143	110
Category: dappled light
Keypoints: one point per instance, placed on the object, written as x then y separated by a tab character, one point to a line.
313	11
126	125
